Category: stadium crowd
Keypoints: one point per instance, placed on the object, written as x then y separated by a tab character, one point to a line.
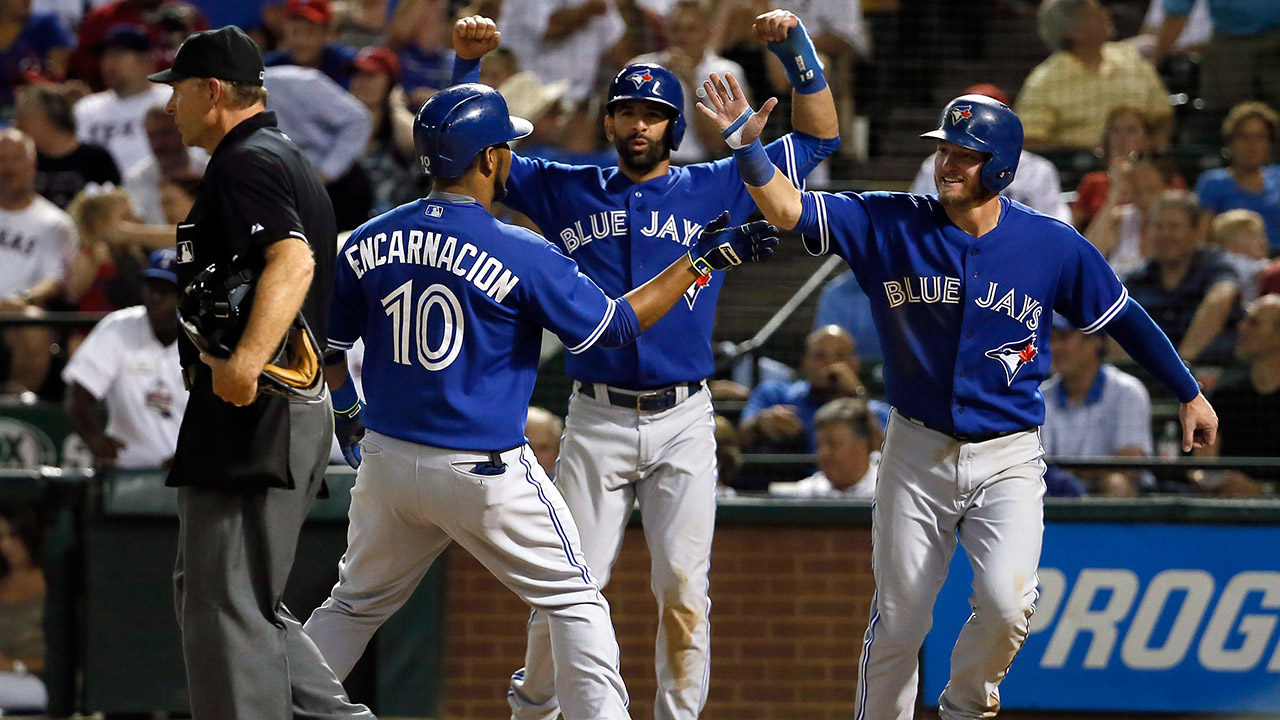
1157	147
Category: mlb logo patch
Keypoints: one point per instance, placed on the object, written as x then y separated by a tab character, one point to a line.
186	252
434	211
961	113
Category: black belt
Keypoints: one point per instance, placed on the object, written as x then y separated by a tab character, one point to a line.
642	400
967	437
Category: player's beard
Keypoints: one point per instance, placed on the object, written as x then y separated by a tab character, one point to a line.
970	195
643	161
499	187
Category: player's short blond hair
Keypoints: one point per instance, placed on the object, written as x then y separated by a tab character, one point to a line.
1234	222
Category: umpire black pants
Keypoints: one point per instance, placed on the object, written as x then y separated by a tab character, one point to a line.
247	657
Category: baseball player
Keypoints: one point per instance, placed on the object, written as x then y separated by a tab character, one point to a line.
451	304
963	287
639	426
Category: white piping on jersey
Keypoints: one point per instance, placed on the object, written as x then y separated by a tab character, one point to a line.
340	344
820	206
789	159
595	334
1110	314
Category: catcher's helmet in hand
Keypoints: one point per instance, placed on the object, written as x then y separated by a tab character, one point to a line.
989	126
214	310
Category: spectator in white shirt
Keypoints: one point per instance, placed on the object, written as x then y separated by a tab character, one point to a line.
113	118
688	55
129	363
848	433
37	243
1036	184
1092	408
562	39
167	158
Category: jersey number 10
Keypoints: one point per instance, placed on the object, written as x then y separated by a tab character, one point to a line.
409	325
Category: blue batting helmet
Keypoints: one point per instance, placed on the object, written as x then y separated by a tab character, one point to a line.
987	125
647	81
457	123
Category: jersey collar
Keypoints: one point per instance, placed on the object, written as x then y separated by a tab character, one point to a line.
621	183
442	196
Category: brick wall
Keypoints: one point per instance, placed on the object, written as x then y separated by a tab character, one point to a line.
789	605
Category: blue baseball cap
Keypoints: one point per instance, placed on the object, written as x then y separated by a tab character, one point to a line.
163	265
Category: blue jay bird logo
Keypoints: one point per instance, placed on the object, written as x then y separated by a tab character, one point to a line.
1012	356
639	79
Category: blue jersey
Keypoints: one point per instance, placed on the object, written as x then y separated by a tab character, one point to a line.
622	235
451	304
964	322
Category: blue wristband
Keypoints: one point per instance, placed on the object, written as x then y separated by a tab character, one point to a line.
465	71
754	164
800	60
345	399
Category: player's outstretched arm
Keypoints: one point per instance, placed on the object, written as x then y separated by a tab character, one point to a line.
813	109
719	247
474	37
773	192
1147	344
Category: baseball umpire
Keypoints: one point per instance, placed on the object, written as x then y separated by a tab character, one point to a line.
640	426
248	464
964	285
451	304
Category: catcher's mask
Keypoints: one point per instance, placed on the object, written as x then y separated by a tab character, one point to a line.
214	310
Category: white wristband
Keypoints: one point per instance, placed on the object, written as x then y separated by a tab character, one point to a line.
733	133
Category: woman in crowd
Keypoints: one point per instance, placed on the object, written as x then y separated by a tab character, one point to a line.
1250	182
1128	134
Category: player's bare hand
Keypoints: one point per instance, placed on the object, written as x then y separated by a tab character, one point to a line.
779	422
232	381
727	103
1199	424
475	36
774	25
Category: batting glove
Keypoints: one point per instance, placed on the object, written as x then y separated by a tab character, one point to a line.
720	247
349	430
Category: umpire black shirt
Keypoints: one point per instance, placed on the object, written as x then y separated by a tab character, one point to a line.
258	189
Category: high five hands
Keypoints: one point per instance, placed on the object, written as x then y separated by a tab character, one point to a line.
730	112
